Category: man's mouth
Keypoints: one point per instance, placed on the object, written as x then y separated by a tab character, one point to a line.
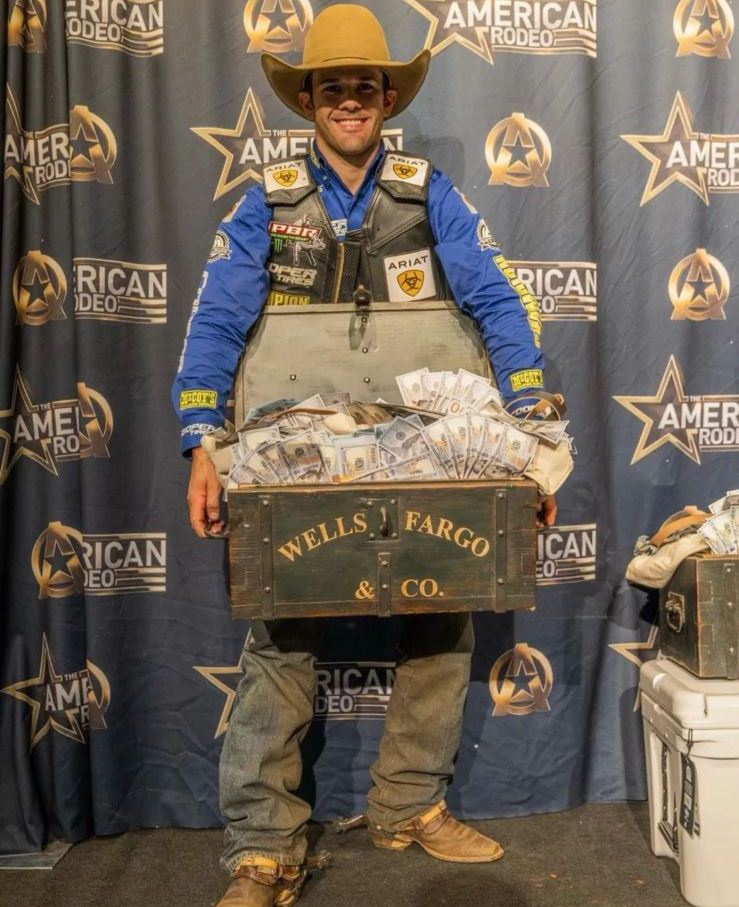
350	124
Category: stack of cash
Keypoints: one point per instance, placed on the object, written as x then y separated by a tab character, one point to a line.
452	426
721	531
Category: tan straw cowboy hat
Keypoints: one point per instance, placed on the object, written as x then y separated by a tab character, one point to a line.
345	34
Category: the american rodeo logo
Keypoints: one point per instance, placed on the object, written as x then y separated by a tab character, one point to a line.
83	149
518	152
566	290
706	163
68	562
250	144
694	424
69	703
566	554
27	24
521	681
52	432
487	27
135	27
104	290
276	26
703	28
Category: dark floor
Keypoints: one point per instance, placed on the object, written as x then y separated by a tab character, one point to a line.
595	855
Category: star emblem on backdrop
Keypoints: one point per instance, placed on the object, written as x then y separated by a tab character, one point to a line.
438	38
650	411
232	142
638	653
227	686
34	693
21	404
658	148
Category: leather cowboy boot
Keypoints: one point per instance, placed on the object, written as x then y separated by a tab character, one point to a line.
261	882
441	836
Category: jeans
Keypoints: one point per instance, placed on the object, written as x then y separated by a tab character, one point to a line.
261	765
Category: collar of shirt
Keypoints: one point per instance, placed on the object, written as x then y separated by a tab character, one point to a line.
345	209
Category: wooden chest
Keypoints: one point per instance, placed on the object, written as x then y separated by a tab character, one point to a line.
699	626
391	548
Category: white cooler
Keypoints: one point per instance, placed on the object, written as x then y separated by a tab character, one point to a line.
691	736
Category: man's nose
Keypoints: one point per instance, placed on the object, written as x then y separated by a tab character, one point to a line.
350	102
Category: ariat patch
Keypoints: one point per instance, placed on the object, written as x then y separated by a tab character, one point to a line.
404	169
198	398
530	377
221	250
286	175
410	276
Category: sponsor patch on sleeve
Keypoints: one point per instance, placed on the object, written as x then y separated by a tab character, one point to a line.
221	250
529	377
198	398
485	239
528	300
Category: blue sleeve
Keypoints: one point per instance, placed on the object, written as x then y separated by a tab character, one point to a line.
486	287
232	292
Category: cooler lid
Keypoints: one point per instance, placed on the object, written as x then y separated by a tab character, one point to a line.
692	701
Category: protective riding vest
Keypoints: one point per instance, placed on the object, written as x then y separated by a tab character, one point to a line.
389	258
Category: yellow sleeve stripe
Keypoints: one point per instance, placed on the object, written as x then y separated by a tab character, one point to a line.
528	300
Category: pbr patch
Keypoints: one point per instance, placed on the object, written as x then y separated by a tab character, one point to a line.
286	175
221	250
485	239
410	276
198	398
530	377
404	169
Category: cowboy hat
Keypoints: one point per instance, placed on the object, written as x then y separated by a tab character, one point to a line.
345	34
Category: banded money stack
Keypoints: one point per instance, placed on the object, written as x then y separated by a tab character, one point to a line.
389	548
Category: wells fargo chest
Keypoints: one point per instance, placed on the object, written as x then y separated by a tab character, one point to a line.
376	548
699	624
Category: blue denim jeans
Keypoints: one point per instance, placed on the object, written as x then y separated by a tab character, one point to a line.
261	763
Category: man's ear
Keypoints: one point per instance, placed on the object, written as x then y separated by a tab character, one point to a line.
388	101
306	102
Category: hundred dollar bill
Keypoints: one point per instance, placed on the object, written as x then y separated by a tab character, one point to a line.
304	458
401	439
473	389
718	506
430	384
338	399
441	445
458	430
251	438
409	384
356	455
444	394
553	432
724	526
254	469
274	454
734	511
493	434
711	534
416	469
517	450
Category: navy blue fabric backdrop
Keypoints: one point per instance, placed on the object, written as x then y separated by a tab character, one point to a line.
600	141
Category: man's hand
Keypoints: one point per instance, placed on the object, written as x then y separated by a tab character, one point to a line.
546	512
204	494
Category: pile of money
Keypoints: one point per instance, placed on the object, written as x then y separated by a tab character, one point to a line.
721	531
452	426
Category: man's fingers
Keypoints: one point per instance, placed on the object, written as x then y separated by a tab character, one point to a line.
213	499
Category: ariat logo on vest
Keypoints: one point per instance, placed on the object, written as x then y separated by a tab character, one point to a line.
286	177
411	282
410	276
404	171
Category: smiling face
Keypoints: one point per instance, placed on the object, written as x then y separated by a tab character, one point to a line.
348	106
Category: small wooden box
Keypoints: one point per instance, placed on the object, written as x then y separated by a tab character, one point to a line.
699	626
384	548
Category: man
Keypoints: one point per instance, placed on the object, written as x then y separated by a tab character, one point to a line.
361	206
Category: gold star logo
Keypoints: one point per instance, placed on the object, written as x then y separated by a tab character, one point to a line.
638	653
659	149
233	674
521	681
651	411
699	287
703	28
518	152
21	406
27	25
232	144
439	37
52	710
